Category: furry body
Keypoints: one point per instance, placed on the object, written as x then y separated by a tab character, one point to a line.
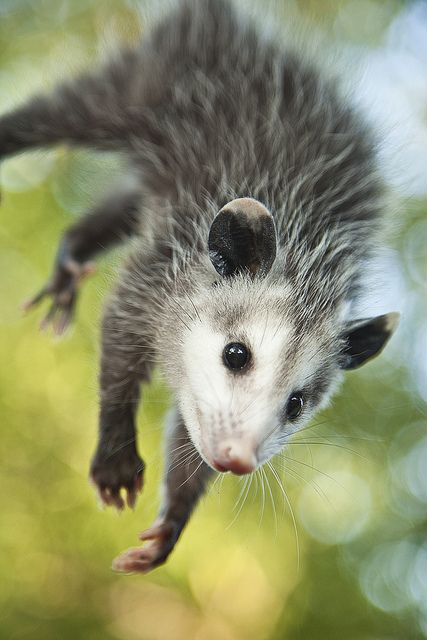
207	111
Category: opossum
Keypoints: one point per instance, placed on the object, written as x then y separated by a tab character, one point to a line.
254	198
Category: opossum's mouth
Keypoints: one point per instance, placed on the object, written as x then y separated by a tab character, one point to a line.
238	469
234	456
219	467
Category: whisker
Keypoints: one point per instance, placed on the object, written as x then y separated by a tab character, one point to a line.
263	496
121	446
272	498
332	444
189	477
311	483
304	464
187	460
246	488
285	495
214	483
182	446
346	437
241	493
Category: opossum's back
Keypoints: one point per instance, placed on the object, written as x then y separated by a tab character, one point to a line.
201	33
213	90
238	110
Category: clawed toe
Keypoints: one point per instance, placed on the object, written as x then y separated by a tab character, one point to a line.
159	541
62	289
59	316
117	475
112	497
133	491
135	560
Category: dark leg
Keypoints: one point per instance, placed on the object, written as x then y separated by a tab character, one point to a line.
111	222
92	110
125	363
185	481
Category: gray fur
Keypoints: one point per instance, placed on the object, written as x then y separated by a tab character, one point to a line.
206	111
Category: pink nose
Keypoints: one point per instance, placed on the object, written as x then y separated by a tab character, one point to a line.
235	457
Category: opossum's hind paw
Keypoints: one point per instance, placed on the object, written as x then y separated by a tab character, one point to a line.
161	539
121	469
62	289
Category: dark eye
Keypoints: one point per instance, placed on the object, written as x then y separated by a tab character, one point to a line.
294	406
235	356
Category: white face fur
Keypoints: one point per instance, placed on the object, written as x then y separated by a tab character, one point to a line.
239	418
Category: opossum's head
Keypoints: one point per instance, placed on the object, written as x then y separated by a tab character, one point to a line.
250	369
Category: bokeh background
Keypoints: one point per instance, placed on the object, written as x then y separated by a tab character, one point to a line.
356	479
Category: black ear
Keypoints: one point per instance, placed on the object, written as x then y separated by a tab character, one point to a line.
243	238
364	339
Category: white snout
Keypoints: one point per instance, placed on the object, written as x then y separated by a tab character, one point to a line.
236	456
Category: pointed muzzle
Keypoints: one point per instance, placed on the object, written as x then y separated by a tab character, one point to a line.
235	456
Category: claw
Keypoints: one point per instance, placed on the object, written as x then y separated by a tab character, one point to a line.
62	288
105	497
138	559
34	301
160	540
118	501
47	318
134	560
111	498
113	475
61	325
131	497
132	491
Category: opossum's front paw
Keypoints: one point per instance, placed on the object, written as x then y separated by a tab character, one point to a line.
117	470
161	539
62	289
